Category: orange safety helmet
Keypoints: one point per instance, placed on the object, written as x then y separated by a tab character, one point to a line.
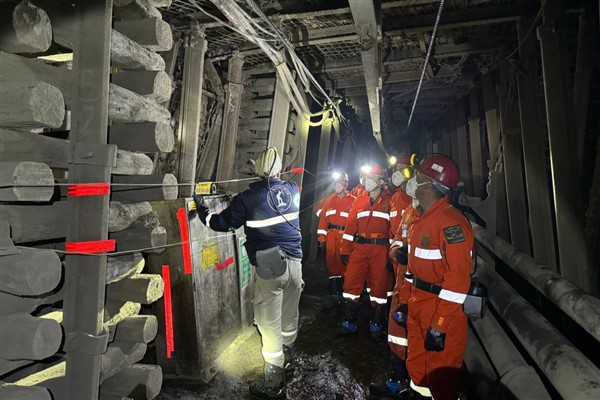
441	169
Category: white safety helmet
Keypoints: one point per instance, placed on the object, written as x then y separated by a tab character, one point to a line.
268	163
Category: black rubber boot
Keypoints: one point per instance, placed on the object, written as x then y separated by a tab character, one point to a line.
289	367
272	386
378	323
414	395
396	386
336	287
349	325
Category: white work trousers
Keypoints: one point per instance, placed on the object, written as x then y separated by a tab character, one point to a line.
276	310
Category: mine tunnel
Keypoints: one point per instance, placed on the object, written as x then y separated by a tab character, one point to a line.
299	199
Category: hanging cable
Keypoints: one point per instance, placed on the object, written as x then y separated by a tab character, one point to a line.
426	62
292	53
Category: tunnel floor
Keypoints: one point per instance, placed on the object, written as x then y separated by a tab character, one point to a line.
328	366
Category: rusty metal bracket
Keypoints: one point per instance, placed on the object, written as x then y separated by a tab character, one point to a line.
87	343
103	155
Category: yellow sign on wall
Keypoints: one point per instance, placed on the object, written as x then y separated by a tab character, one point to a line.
210	256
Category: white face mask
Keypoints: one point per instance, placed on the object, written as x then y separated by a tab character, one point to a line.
338	187
415	203
370	185
398	178
412	185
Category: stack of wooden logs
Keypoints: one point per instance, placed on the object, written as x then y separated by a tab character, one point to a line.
33	149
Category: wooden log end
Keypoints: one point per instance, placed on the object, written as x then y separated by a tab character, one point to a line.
129	163
170	188
23	337
158	237
120	267
33	181
121	216
30	272
163	87
138	328
31	104
116	311
47	105
164	137
32	31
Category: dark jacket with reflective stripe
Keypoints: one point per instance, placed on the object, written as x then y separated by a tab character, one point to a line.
270	217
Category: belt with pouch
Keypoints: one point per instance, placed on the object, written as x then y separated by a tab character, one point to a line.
475	302
338	227
364	240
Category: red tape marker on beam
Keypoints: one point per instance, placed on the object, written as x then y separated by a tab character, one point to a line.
225	264
91	247
185	239
297	170
170	342
88	189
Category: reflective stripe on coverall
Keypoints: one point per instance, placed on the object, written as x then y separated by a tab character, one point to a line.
397	337
335	212
367	260
440	252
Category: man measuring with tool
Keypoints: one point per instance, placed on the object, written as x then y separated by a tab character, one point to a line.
269	211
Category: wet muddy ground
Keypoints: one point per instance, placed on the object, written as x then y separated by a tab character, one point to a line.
329	366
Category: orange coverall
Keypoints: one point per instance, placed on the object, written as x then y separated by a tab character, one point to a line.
359	190
397	337
440	253
370	222
400	200
331	228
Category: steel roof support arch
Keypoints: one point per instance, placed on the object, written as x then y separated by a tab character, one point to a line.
367	18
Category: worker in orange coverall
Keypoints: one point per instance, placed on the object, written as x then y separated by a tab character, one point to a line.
365	245
331	228
395	387
440	250
400	200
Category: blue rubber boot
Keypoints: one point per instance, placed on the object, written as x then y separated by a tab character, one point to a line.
349	325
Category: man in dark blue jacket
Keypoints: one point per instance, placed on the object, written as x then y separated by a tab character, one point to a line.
269	211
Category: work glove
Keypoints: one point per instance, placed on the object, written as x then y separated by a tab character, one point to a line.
345	259
389	266
434	340
323	248
202	210
402	255
401	314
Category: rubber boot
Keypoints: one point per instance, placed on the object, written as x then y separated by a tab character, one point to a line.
349	325
289	367
378	319
396	386
414	395
336	286
272	386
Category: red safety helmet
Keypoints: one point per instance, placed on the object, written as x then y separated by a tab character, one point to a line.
377	170
441	169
